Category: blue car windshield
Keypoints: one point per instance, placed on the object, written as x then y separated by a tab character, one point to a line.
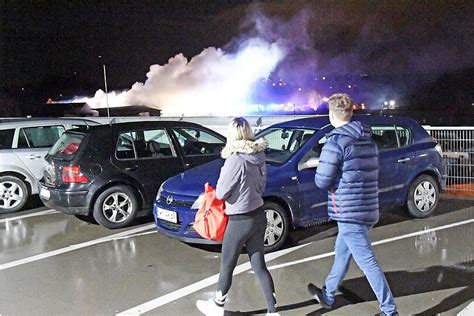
283	143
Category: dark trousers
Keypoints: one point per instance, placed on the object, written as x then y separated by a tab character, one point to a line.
246	230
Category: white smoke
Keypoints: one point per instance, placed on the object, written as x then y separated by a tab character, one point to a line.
211	83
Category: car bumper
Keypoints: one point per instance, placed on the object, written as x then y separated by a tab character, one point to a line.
182	230
443	175
444	179
66	201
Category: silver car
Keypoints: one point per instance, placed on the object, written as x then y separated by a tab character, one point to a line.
23	144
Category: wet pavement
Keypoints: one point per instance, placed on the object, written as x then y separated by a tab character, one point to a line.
53	264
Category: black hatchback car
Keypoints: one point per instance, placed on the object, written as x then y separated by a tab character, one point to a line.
111	172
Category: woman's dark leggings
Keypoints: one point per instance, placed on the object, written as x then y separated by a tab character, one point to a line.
246	229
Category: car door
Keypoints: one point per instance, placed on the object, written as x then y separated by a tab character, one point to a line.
197	145
33	143
312	199
148	157
396	158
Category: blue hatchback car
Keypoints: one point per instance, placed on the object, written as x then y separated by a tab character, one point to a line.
412	173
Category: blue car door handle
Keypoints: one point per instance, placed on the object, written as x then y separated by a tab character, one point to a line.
131	168
402	160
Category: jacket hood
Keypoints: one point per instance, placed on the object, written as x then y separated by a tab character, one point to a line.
252	151
354	129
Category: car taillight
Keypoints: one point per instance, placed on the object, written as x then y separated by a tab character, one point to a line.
70	149
73	174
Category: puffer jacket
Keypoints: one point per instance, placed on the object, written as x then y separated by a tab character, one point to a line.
348	169
243	176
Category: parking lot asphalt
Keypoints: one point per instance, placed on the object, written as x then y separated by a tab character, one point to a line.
54	264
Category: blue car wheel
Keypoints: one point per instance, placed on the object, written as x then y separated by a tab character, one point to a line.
423	196
277	228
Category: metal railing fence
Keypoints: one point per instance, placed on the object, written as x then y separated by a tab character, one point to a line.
458	149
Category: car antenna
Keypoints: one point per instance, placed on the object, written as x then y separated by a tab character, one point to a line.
87	125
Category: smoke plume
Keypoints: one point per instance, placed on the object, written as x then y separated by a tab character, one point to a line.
211	83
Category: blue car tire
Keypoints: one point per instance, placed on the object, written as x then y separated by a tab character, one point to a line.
278	226
423	196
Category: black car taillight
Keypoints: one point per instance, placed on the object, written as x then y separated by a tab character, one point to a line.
73	174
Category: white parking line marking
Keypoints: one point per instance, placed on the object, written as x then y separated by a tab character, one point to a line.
384	241
74	247
138	235
173	296
182	292
47	212
469	310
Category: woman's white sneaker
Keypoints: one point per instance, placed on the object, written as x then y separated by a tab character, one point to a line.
209	308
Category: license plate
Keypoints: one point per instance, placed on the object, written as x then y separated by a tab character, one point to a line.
45	193
169	216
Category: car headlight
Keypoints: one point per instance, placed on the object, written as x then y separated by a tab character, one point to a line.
197	204
439	150
159	192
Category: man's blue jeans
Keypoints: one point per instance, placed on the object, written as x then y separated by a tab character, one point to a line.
353	239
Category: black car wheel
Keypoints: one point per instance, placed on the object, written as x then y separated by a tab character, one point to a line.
423	196
116	207
277	226
13	194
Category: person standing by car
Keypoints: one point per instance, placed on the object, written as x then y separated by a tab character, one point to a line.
348	169
241	184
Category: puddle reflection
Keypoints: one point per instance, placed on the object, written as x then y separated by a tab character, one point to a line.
30	237
426	243
13	233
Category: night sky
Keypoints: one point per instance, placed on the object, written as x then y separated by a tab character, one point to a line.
52	48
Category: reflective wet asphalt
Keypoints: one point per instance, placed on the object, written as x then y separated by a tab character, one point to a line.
53	264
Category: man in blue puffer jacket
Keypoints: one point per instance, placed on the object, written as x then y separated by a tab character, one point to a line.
348	169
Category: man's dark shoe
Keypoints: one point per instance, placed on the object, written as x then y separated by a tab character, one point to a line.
317	294
383	314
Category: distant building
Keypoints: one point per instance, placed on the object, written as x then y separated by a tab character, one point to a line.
134	110
82	109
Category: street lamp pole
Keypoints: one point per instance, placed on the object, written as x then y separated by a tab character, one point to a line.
106	91
105	86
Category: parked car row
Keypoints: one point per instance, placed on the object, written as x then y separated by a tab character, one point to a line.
412	172
113	173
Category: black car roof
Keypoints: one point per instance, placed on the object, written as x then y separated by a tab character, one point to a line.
122	126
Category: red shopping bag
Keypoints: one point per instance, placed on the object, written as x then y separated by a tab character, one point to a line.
210	221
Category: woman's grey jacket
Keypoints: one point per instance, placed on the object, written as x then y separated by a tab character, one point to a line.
243	176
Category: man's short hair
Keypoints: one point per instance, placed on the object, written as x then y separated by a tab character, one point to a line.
341	105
